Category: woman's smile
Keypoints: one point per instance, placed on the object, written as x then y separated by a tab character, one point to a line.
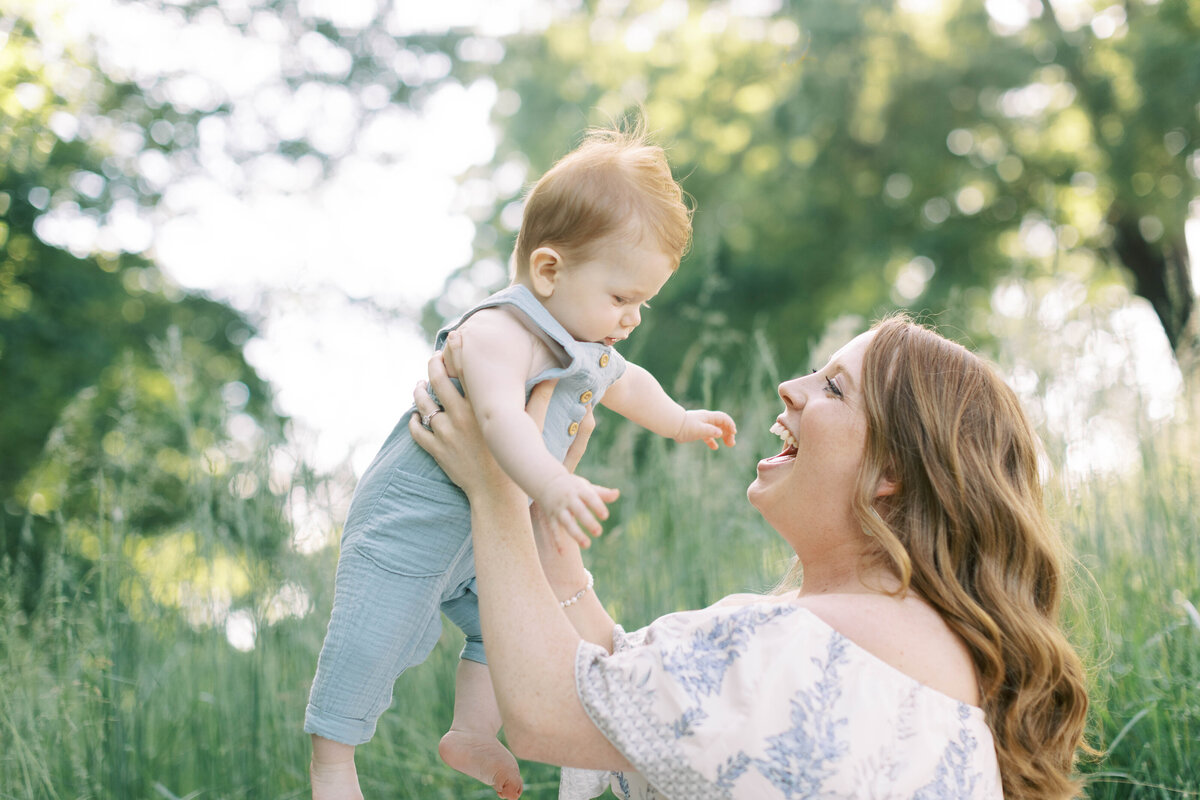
789	445
823	434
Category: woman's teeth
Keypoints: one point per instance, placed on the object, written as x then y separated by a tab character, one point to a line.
789	441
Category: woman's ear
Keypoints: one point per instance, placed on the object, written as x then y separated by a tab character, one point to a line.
887	485
545	266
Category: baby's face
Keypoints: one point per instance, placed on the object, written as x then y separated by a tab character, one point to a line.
601	299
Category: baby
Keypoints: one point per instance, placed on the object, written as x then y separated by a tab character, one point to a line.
601	233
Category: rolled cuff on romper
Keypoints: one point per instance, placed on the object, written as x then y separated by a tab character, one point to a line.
339	729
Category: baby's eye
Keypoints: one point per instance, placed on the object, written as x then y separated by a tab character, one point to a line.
645	305
832	388
620	300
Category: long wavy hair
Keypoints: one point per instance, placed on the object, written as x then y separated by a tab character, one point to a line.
967	529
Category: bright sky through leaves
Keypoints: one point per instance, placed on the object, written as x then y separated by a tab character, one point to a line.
334	269
296	253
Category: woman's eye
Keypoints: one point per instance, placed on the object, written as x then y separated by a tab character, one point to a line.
832	388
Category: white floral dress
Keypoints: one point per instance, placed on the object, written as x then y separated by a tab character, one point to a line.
767	701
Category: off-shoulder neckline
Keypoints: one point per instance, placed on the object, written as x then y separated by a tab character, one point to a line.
892	668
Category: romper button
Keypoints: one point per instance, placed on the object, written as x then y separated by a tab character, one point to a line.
586	396
604	360
571	431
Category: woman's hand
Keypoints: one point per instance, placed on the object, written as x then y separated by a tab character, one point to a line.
453	437
456	442
579	445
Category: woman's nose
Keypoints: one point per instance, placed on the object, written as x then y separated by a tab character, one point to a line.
792	393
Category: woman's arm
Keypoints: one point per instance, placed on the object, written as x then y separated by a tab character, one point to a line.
567	576
531	643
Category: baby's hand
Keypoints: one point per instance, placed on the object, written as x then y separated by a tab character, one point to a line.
707	425
569	504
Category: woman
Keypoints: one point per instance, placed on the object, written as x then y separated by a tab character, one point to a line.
920	657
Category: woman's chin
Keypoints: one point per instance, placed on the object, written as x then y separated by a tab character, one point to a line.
754	492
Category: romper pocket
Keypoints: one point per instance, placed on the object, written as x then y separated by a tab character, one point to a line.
417	527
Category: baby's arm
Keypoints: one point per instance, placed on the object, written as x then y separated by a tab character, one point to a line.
496	357
637	396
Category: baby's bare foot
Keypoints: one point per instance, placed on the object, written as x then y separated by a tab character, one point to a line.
484	759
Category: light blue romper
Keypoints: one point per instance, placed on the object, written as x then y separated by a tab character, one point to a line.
406	549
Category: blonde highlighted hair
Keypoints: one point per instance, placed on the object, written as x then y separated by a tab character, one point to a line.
967	529
616	183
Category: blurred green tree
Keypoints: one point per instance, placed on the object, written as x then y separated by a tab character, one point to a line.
845	159
74	316
851	157
89	144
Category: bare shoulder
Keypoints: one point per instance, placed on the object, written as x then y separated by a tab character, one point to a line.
906	633
735	600
498	325
498	335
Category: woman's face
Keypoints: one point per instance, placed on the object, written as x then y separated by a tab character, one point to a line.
805	492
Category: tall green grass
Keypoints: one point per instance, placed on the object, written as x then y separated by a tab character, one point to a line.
1137	540
106	696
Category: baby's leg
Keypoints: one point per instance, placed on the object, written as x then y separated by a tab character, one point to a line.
471	746
381	623
332	771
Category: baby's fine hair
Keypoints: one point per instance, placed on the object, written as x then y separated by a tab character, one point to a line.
616	183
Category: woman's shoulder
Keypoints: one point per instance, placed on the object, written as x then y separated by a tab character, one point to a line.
735	686
738	600
900	635
905	633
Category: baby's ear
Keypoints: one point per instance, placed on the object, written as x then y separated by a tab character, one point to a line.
545	266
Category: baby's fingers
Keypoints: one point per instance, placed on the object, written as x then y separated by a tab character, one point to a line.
730	431
568	525
584	516
711	434
595	502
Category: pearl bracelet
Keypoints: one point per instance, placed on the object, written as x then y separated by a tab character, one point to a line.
573	599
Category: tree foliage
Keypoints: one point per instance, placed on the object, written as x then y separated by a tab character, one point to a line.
91	144
79	327
858	156
844	158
